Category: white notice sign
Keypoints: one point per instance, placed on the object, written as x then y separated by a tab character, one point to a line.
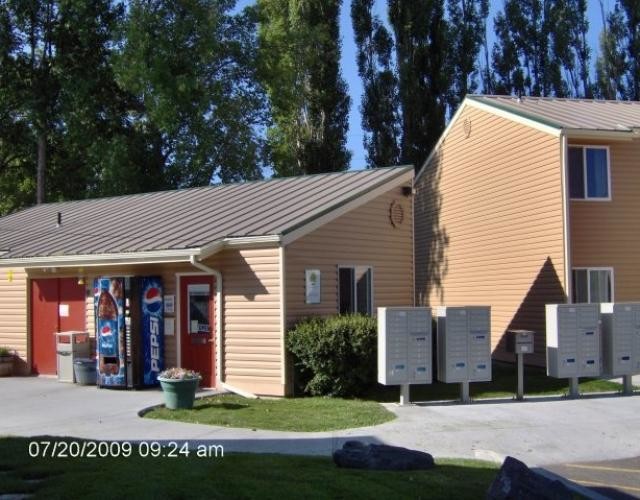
312	281
63	310
169	304
169	327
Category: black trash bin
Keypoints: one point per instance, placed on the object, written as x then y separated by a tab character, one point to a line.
85	371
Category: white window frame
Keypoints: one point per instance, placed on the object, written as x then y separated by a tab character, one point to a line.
584	148
589	269
355	267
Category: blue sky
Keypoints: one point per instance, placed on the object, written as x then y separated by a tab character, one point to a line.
350	70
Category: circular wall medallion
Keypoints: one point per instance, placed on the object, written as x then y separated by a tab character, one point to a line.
396	213
467	127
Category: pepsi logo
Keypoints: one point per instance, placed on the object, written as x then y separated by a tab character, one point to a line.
106	330
152	299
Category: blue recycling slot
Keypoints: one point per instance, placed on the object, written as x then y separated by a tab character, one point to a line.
625	358
460	365
421	369
420	339
399	367
480	336
589	333
482	367
591	362
571	360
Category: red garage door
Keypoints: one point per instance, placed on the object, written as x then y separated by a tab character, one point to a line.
57	305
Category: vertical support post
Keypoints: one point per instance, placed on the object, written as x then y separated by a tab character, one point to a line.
627	385
404	395
520	394
573	387
464	392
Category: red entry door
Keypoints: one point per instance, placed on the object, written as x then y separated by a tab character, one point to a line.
198	326
57	305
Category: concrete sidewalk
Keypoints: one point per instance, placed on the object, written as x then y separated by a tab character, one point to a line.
537	431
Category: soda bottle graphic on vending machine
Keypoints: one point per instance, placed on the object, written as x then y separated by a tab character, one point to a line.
108	293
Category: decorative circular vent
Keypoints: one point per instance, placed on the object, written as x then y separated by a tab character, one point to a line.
466	125
396	213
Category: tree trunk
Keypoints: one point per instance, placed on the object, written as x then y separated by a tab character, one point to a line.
42	161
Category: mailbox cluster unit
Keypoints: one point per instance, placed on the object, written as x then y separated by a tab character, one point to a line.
404	345
464	344
620	339
573	340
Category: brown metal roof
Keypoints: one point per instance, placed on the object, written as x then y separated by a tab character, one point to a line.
183	219
571	114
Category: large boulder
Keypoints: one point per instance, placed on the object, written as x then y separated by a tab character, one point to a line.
516	481
357	455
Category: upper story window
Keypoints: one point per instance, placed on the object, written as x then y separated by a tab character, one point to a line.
355	290
589	175
592	285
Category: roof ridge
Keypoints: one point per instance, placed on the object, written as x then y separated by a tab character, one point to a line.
554	98
212	186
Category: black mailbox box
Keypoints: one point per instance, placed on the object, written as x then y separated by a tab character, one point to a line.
520	341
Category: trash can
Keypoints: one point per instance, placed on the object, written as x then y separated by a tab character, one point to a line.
69	347
84	370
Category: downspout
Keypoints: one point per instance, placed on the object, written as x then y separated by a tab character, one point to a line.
199	265
566	221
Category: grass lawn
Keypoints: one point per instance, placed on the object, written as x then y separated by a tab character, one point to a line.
231	476
297	414
307	414
504	384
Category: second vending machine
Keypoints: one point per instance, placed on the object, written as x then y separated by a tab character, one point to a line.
129	331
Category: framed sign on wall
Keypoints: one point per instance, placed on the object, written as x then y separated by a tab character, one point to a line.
312	282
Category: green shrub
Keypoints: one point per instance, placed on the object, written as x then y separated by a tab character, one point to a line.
335	356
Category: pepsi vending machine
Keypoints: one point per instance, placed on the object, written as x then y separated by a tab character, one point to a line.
129	331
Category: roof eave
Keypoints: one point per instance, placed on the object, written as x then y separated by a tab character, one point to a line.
518	115
93	260
149	257
503	111
291	234
613	135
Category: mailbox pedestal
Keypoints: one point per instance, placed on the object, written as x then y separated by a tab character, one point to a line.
520	342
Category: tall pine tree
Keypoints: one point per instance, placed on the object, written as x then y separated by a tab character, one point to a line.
379	106
467	30
421	37
541	48
611	64
631	10
300	68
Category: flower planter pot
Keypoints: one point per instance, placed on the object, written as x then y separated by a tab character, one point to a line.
179	393
6	366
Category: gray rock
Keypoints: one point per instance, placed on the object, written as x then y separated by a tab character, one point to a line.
357	455
516	481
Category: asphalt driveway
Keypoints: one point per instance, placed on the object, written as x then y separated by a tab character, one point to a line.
616	479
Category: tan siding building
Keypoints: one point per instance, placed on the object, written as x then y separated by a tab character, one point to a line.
260	279
473	206
495	224
14	314
605	234
362	237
